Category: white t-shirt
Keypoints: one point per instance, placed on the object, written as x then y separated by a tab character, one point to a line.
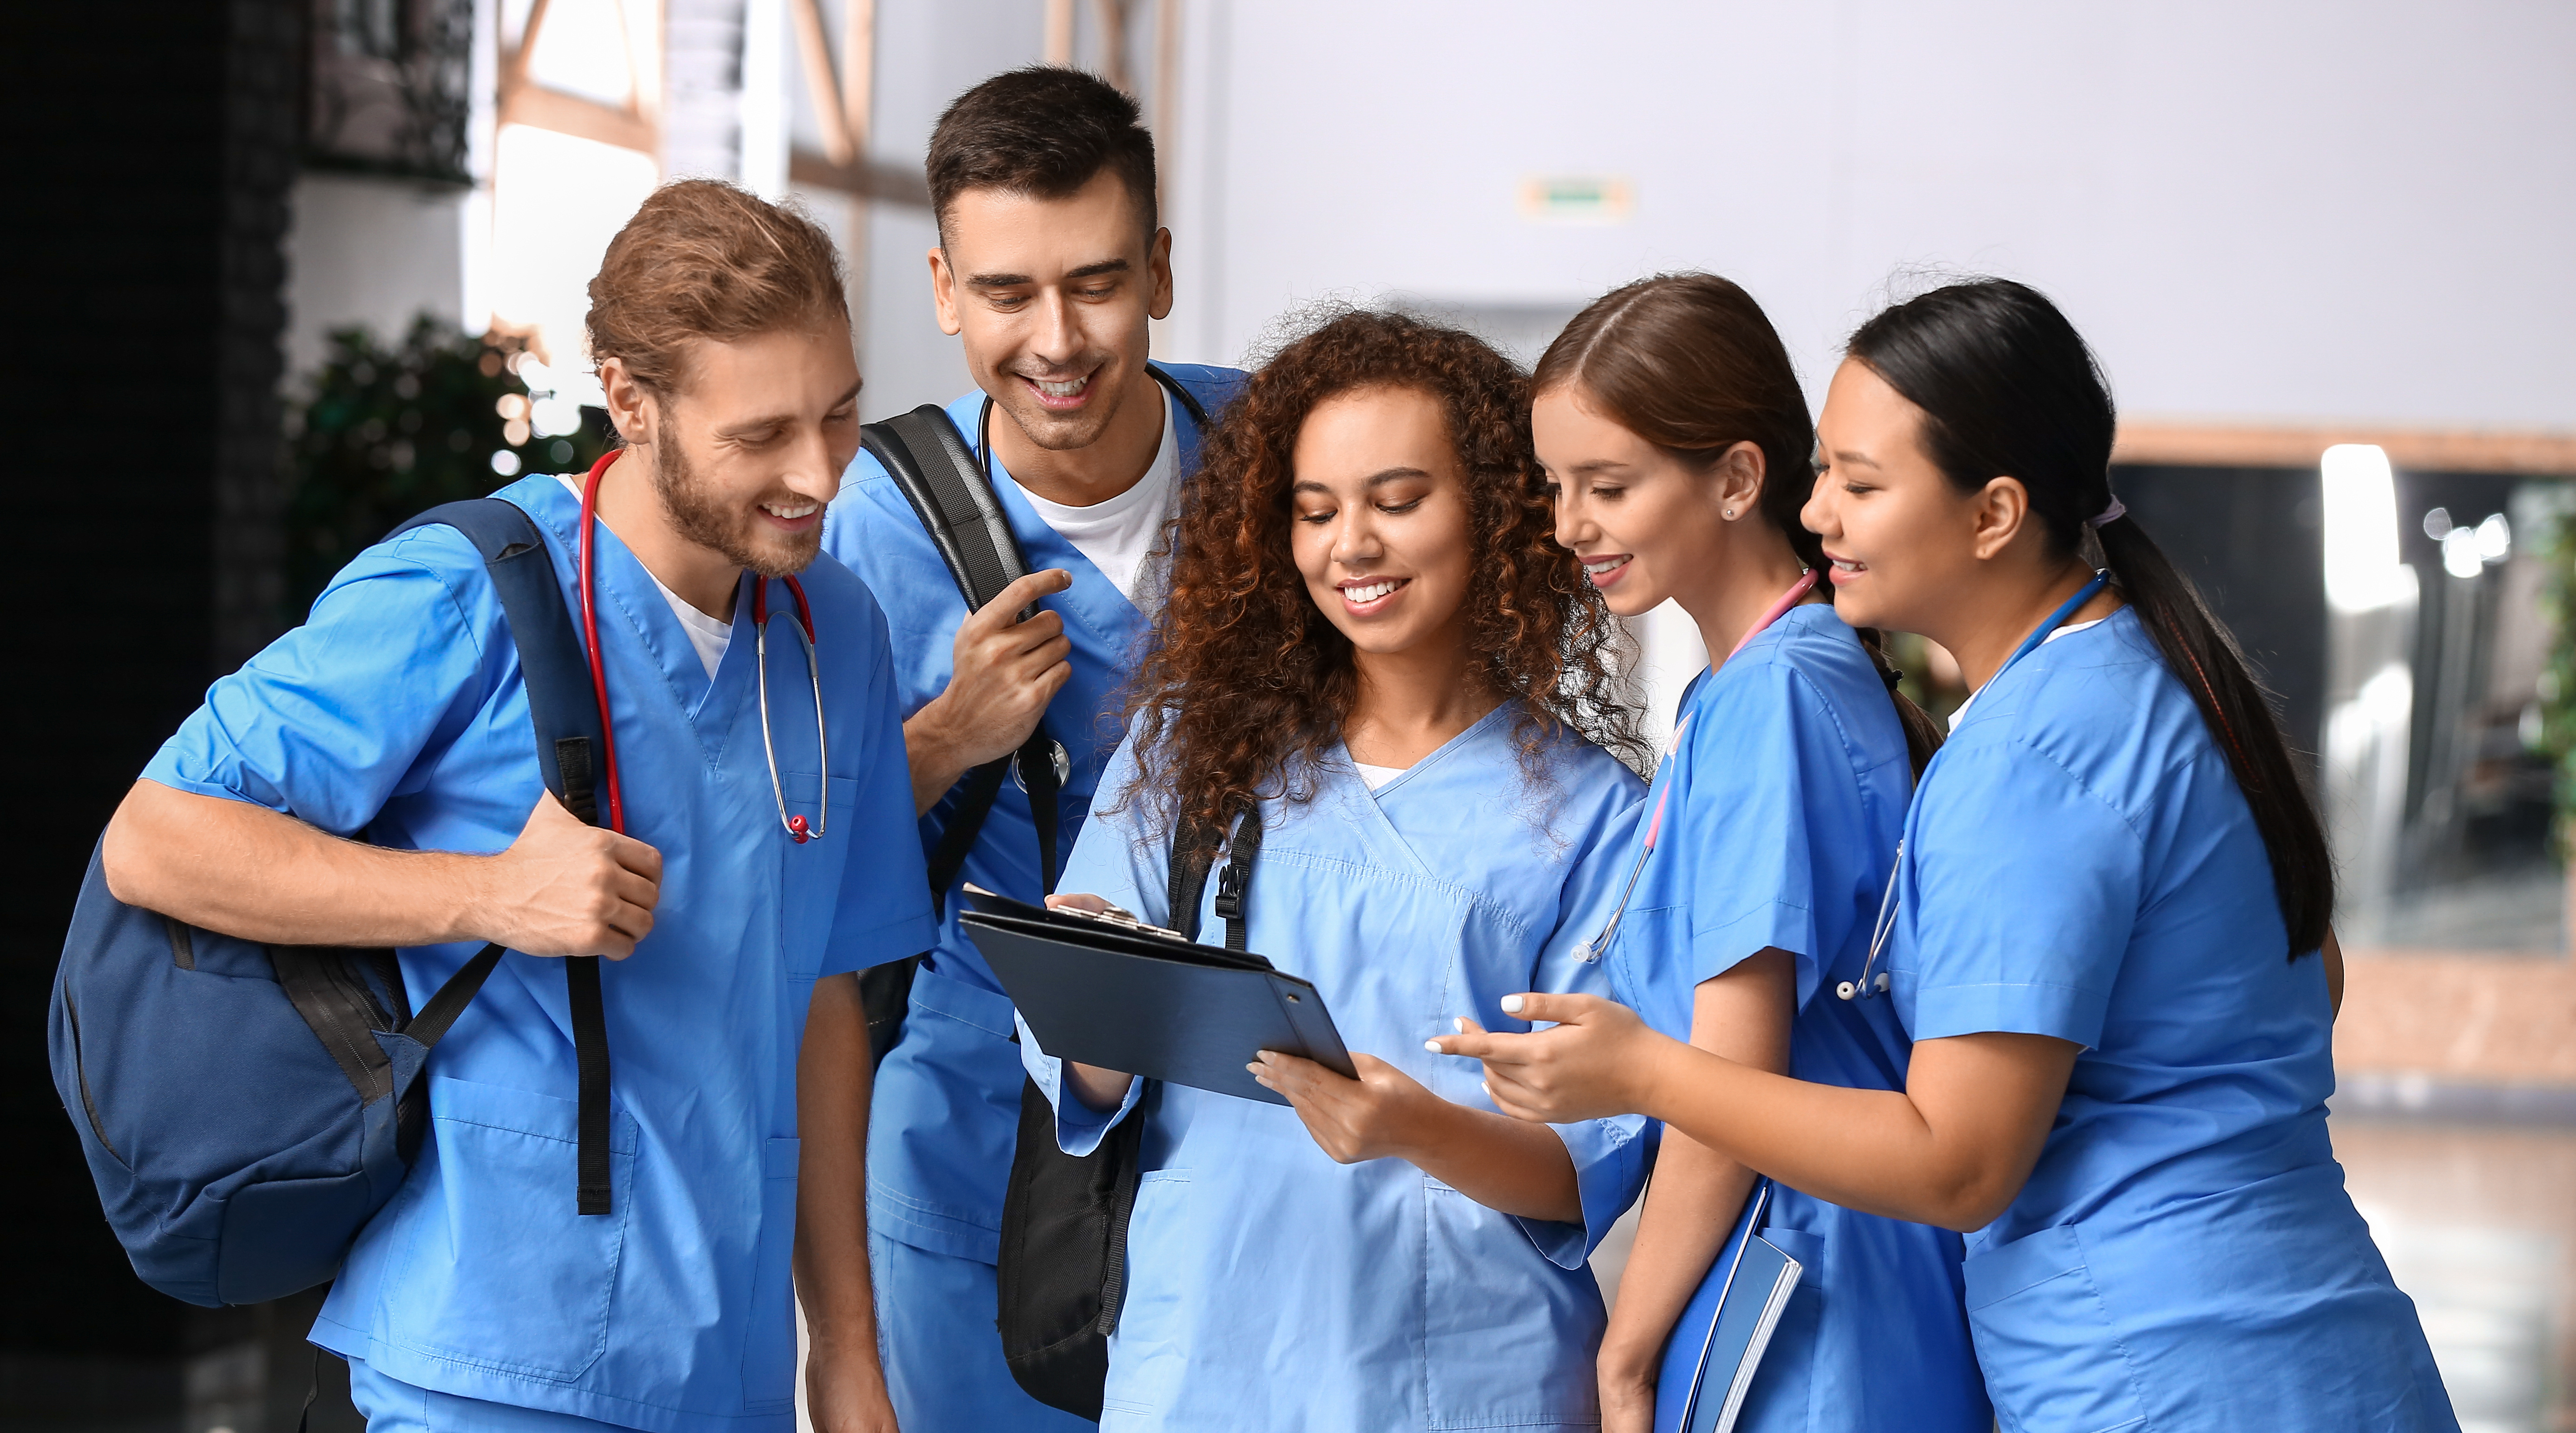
2068	630
1377	776
710	635
1116	535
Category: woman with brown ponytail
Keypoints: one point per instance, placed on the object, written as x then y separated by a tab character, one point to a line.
1677	442
2110	939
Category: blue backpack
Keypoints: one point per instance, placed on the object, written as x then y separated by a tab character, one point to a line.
247	1108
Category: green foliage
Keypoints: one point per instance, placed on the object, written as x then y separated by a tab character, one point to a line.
2558	678
389	432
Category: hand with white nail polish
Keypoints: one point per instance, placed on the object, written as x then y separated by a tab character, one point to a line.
1589	1065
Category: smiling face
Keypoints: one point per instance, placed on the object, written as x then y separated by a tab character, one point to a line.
1381	530
1052	297
1901	543
1642	521
750	449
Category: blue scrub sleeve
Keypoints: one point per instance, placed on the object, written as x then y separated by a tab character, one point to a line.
2020	892
332	720
1763	817
884	912
1611	1156
1079	1128
1112	861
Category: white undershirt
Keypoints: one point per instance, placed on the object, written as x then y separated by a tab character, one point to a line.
709	635
2068	630
1377	776
1116	535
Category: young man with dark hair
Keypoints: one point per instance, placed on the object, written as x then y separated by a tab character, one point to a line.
370	781
1050	263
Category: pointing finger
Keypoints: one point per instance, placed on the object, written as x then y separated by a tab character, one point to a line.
1556	1009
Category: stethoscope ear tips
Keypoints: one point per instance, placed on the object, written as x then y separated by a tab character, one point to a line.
1846	991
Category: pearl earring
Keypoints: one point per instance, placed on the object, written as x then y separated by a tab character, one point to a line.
1730	514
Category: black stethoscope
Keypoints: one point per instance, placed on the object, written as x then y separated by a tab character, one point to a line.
797	828
1864	988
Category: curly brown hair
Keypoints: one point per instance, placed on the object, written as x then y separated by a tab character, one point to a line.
1245	683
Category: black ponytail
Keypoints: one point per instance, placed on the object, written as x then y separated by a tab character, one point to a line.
1923	735
2008	387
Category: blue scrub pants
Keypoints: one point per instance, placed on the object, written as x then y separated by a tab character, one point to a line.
943	1357
393	1406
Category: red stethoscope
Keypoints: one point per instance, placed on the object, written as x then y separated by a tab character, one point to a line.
1599	946
797	828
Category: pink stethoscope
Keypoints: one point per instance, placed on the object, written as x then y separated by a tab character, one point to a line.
798	830
1599	946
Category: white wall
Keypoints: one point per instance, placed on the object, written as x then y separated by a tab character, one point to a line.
369	251
2356	210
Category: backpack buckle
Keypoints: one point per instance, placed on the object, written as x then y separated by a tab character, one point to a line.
1229	892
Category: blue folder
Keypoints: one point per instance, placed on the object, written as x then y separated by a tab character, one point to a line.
1719	1341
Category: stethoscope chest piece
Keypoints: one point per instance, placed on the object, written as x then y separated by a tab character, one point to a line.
1056	757
799	830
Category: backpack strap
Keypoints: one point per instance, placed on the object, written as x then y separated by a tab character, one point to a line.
565	715
950	488
1192	854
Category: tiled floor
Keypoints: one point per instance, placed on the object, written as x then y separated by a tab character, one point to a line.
2479	1225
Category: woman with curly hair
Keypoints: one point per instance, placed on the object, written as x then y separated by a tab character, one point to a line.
1372	648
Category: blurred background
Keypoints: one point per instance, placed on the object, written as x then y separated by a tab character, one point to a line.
290	270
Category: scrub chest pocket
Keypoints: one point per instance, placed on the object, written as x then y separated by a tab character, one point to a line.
814	869
499	1272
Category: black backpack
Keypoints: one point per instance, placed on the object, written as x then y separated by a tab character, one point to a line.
950	489
246	1108
1063	1273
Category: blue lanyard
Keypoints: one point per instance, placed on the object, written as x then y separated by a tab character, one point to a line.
1885	925
2056	619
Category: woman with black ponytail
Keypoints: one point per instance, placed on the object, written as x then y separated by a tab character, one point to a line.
2109	939
1676	444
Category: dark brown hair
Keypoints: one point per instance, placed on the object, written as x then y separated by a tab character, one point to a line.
703	259
2008	388
1245	683
1690	363
1043	131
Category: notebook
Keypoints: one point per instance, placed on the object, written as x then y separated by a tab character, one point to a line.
1719	1341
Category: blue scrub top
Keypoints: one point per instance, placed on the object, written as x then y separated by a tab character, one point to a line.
947	1100
1269	1287
396	715
1783	799
2081	863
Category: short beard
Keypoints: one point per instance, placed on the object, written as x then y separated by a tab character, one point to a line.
702	518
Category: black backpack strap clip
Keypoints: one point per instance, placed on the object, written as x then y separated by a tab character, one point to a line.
1193	853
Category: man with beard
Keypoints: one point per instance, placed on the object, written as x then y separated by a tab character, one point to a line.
1050	263
369	781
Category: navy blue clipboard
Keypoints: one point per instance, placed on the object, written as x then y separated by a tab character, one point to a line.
1720	1339
1145	1001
